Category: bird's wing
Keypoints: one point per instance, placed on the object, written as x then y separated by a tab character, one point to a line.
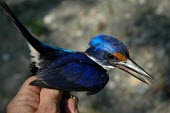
38	59
73	76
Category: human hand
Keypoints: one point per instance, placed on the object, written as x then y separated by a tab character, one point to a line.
32	99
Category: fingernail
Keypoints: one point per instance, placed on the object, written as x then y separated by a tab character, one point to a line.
75	98
72	105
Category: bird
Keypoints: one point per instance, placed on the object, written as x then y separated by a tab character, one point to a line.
68	70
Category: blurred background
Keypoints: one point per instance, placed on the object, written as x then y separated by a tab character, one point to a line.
142	25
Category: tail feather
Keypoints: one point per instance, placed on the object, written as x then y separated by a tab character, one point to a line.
35	43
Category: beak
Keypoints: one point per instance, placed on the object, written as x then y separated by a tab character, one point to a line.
134	69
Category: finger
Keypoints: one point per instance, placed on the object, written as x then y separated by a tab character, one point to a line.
26	88
49	100
50	96
27	95
28	92
71	106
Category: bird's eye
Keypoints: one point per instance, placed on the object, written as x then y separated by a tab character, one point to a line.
111	57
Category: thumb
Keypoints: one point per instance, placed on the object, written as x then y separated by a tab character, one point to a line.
49	101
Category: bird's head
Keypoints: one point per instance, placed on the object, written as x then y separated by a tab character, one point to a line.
110	53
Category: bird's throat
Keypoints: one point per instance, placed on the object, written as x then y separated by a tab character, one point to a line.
99	63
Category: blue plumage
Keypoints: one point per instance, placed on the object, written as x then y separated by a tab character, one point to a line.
107	43
73	72
68	70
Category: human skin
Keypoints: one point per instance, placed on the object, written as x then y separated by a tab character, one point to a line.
32	99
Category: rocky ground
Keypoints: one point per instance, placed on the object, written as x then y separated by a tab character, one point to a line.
142	25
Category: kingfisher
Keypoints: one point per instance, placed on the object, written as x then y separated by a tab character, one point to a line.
68	70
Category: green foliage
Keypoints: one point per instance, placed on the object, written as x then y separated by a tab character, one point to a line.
36	26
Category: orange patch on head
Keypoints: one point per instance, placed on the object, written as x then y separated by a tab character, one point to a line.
120	57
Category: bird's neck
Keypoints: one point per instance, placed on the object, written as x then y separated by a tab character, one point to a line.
98	62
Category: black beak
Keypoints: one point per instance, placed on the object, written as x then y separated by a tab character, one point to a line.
134	69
